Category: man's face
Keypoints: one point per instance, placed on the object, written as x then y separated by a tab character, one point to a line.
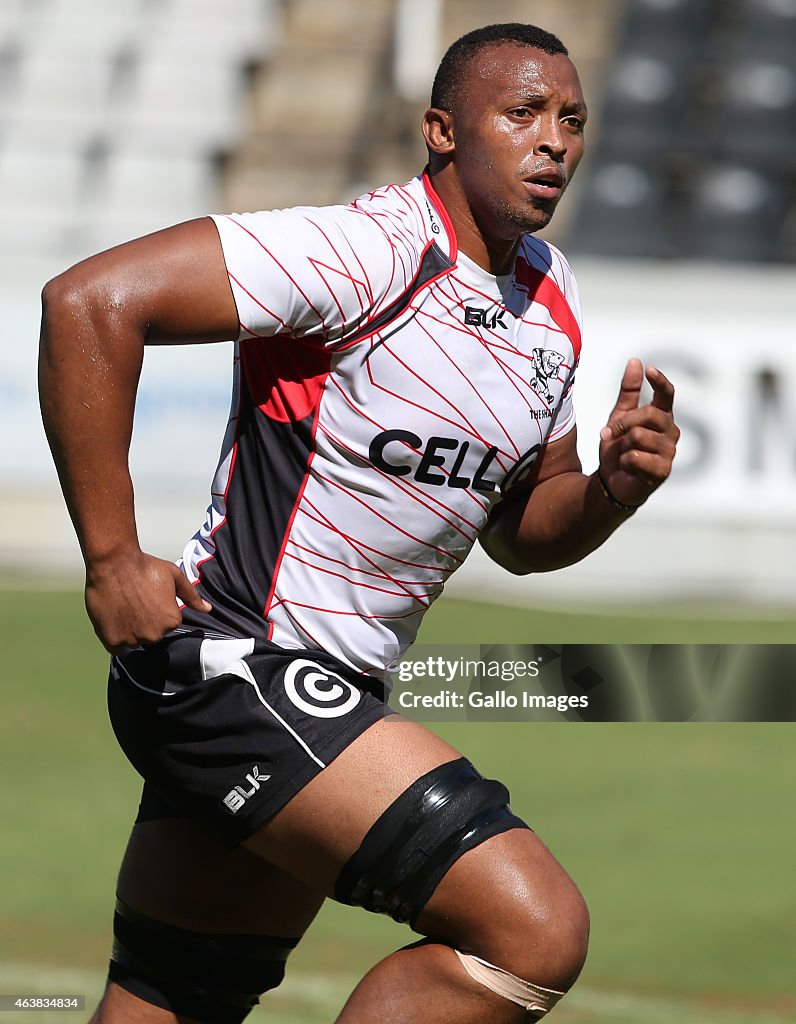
518	131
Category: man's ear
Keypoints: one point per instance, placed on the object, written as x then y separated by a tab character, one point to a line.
438	131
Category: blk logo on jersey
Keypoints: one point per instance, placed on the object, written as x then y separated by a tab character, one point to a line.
445	462
475	317
545	364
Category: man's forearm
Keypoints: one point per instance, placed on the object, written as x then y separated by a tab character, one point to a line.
89	365
565	518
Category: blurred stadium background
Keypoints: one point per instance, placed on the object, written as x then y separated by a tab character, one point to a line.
121	116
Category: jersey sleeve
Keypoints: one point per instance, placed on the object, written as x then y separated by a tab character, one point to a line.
315	273
560	270
564	418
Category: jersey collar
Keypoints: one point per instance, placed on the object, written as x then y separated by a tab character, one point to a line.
438	220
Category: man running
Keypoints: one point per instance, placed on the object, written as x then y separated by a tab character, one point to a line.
387	412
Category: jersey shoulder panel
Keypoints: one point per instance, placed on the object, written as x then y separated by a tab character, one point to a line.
549	260
547	271
321	273
548	277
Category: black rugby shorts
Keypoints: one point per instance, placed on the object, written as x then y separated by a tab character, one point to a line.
228	730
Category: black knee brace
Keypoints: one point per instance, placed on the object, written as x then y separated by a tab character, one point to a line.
442	815
214	978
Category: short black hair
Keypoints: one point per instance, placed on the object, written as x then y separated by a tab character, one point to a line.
451	68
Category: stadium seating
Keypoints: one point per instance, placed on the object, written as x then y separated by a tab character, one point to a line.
737	214
250	31
758	105
124	203
60	98
696	86
652	75
86	85
645	102
181	105
58	16
623	212
39	191
113	113
678	27
768	28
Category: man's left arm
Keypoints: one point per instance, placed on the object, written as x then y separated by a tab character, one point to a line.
566	515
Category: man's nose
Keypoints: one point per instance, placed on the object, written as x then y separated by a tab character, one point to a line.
551	140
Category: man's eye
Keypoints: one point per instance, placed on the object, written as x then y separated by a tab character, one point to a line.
575	122
521	111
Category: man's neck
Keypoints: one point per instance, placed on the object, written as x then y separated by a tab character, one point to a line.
496	256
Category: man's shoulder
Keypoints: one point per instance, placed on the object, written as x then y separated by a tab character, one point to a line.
328	270
409	214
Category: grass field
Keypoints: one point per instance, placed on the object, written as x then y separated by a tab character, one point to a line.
681	836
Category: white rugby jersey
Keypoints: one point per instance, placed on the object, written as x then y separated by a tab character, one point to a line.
387	391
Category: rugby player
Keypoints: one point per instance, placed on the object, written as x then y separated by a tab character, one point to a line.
403	379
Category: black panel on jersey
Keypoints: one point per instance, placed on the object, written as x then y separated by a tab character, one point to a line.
268	472
280	388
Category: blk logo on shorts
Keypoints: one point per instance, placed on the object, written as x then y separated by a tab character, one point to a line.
238	796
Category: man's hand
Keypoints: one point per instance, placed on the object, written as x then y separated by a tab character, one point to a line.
133	600
638	444
564	515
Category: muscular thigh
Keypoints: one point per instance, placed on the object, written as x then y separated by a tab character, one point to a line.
318	780
505	899
176	871
316	833
276	882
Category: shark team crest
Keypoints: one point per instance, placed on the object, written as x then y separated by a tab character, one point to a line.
545	363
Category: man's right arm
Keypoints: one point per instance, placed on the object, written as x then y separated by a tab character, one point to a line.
170	287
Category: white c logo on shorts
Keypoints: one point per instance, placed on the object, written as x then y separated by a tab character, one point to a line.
319	696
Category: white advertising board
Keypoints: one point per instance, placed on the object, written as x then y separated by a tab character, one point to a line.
727	339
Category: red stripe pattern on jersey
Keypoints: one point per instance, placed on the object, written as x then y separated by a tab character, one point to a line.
388	388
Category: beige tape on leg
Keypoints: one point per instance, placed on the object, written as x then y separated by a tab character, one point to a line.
523	993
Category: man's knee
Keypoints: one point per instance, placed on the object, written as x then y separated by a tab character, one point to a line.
553	939
532	949
451	858
530	919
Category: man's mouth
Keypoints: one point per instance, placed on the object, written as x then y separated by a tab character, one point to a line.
547	184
